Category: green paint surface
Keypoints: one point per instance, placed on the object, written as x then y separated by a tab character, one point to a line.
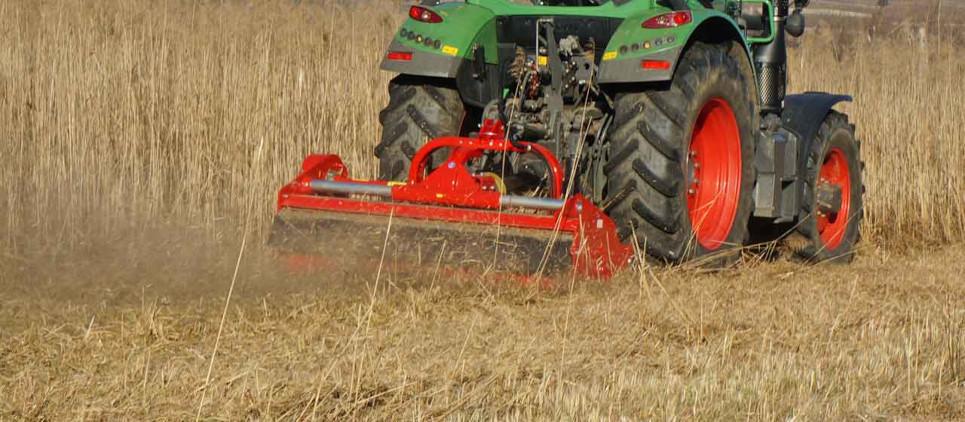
471	23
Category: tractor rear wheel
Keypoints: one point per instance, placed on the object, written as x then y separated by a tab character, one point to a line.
419	109
829	221
680	174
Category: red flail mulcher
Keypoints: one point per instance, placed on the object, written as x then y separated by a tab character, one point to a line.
448	215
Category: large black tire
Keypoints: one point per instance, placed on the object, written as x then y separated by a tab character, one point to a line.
419	109
835	243
649	170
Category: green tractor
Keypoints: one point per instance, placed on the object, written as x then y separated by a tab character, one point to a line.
670	116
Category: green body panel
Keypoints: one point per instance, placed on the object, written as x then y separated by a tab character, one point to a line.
461	23
606	10
631	32
471	23
632	43
486	37
770	22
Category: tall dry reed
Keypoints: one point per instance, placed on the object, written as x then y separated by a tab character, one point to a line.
909	108
121	113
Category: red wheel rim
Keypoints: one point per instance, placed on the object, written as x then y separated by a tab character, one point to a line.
834	171
714	174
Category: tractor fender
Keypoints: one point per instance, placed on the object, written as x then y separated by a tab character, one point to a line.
622	59
421	63
802	116
439	49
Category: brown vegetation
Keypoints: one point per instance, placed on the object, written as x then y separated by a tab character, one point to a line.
160	111
879	340
137	135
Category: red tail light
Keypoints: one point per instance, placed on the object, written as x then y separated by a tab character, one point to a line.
399	56
669	20
422	14
655	65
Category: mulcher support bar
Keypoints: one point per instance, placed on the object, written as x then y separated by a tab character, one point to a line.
385	191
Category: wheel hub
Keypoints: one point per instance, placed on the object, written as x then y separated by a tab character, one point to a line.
833	198
714	174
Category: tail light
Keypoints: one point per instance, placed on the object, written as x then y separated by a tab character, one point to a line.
422	14
399	56
655	65
669	20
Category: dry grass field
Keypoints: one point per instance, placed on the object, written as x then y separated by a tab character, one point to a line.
141	141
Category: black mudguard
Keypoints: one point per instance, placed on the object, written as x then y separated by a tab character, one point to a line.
803	115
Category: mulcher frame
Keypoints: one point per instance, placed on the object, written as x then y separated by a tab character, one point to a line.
451	193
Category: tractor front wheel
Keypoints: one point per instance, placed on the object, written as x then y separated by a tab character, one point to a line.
829	221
